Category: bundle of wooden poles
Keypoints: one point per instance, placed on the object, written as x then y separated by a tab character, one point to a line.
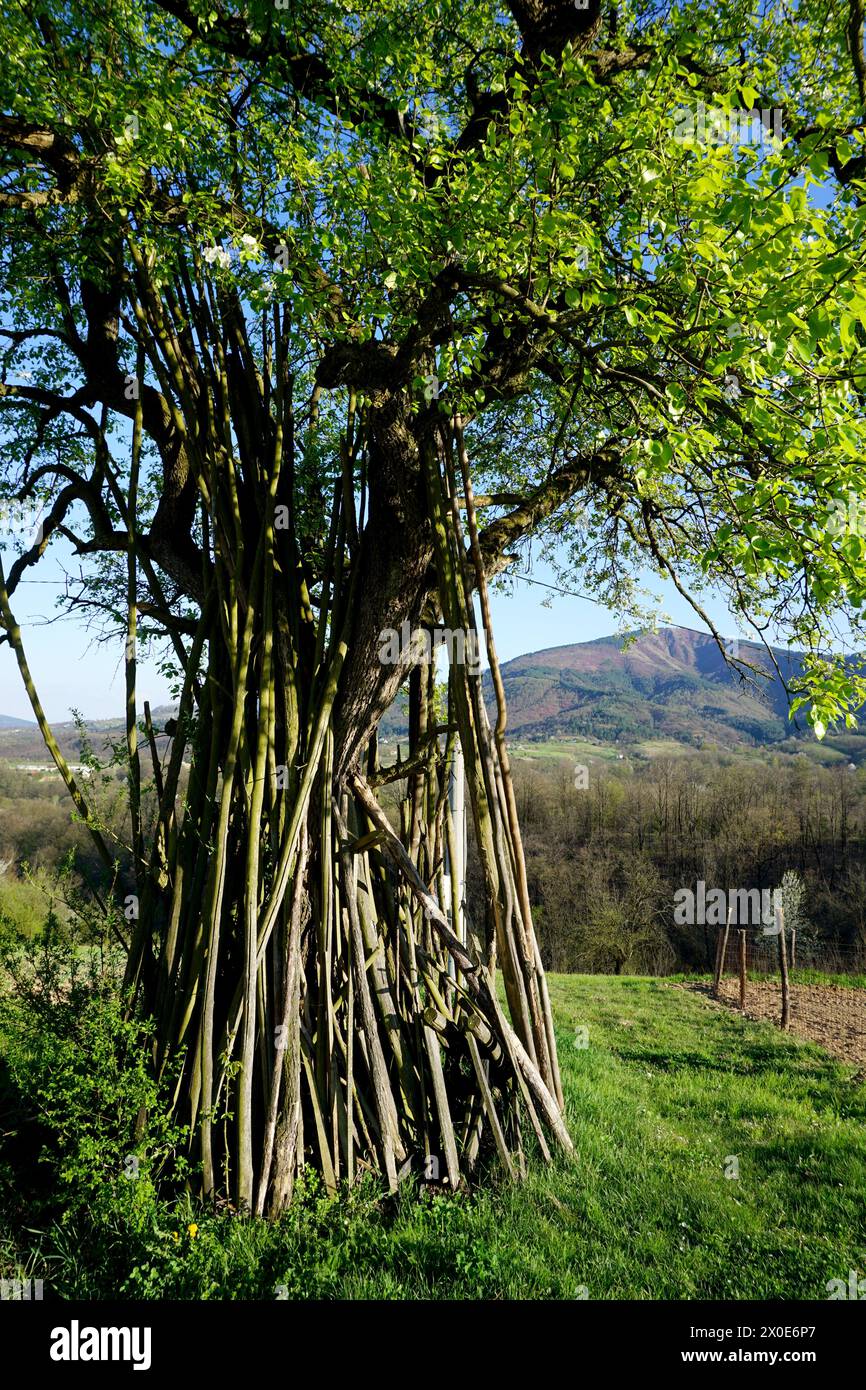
299	946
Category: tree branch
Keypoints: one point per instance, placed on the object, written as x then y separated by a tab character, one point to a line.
543	501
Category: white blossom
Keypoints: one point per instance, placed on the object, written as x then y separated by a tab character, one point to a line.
217	255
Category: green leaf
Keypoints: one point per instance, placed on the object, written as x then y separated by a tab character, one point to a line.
843	151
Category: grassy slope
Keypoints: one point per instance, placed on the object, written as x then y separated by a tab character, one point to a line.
667	1089
807	976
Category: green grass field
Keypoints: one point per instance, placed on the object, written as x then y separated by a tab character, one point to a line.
807	976
828	754
666	1095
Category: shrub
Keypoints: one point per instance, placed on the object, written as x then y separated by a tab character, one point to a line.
77	1076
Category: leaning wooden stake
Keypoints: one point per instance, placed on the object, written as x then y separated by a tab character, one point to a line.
13	634
475	973
536	991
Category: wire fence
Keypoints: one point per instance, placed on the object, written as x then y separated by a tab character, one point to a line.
767	977
824	957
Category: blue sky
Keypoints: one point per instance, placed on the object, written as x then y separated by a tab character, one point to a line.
73	671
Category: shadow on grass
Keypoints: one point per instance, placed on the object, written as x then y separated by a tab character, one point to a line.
747	1060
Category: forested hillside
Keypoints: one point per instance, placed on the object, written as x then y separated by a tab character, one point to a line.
605	860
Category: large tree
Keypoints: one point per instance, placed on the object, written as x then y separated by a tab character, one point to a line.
313	317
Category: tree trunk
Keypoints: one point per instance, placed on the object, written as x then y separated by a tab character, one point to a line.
783	969
721	955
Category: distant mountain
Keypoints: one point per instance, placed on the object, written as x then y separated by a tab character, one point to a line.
8	721
21	741
671	684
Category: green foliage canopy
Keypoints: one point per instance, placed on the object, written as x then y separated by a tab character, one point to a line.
656	339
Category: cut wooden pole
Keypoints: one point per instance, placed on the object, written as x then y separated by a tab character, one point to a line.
456	844
475	975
